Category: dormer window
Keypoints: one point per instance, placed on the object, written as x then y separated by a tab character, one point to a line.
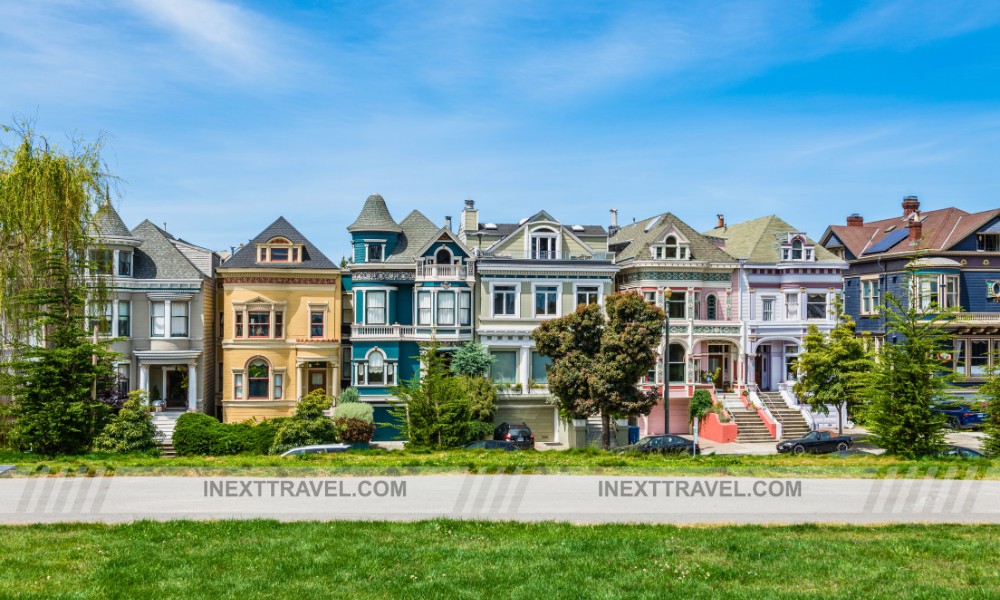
544	244
672	248
279	250
376	251
795	248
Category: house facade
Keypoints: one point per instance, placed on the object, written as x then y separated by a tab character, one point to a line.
945	258
412	282
279	304
526	273
160	310
787	282
696	282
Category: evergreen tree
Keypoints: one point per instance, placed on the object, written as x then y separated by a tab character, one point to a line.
131	430
991	391
471	359
598	360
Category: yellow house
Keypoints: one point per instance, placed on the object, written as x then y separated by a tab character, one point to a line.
280	300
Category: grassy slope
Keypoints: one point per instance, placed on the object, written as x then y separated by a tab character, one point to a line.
591	461
249	559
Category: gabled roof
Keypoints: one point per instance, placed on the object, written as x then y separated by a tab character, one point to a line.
633	241
940	230
760	240
375	217
505	229
158	257
416	230
246	257
434	239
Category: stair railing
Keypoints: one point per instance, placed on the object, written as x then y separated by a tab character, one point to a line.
764	404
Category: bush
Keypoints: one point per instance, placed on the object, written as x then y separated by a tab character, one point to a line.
355	431
308	426
355	410
195	433
349	395
259	436
131	430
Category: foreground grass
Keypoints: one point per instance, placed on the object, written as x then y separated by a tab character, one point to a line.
435	559
374	462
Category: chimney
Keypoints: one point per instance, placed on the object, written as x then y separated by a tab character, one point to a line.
916	231
447	222
722	221
470	219
855	220
910	205
613	227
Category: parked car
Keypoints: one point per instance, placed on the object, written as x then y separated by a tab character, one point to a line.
960	416
317	449
662	444
493	445
818	442
960	452
520	434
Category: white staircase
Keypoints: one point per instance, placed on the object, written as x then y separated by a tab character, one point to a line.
165	423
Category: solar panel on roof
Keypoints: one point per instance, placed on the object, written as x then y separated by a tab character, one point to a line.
888	242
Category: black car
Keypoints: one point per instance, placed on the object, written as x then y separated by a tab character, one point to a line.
520	434
817	442
662	444
960	452
493	445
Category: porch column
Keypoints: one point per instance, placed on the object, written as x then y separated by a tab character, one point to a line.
525	368
298	381
144	379
163	385
193	387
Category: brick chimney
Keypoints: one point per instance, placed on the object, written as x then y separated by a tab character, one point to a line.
910	205
722	221
916	229
855	220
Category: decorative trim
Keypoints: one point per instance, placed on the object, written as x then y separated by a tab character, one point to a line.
382	276
718	329
280	280
674	276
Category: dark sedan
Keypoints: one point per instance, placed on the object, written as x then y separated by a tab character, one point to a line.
493	445
960	452
960	416
817	442
661	444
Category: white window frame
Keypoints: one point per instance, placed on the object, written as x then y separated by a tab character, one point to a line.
389	369
440	311
767	308
870	301
534	299
429	296
546	232
368	246
517	299
465	308
588	288
791	315
385	306
826	306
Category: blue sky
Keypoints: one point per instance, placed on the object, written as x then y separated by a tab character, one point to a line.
221	116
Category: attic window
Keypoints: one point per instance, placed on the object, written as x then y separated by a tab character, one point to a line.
796	248
671	249
279	250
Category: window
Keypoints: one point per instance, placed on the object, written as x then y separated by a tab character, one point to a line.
588	294
258	378
279	324
375	252
869	296
442	256
676	364
797	250
237	386
378	370
538	364
927	292
101	261
938	291
375	308
446	308
711	308
123	379
988	242
424	309
279	254
465	308
238	324
543	244
278	387
124	318
504	367
102	319
125	263
816	306
157	319
649	297
178	319
260	323
670	247
316	327
546	300
677	305
979	358
767	309
949	298
504	300
960	357
792	306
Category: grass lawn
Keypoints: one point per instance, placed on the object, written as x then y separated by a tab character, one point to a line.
374	462
445	559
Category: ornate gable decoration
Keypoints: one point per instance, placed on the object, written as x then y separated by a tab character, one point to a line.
279	250
671	245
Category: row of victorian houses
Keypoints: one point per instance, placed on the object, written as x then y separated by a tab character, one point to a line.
245	335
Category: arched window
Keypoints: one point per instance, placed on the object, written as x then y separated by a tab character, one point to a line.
670	246
258	378
797	250
376	368
443	256
711	308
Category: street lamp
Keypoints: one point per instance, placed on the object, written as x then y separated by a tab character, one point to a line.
666	363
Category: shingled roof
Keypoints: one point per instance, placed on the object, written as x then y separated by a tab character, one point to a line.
375	217
632	242
246	257
416	230
760	240
158	257
107	223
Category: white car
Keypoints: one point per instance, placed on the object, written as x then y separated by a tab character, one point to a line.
317	449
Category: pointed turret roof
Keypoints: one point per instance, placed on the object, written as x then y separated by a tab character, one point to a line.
107	223
375	217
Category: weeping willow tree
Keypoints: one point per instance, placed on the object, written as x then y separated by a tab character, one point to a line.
48	201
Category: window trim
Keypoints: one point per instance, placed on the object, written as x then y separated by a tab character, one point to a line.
390	370
517	299
596	288
874	298
534	300
547	232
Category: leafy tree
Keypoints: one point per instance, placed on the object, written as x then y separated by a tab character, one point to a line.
131	430
905	381
830	367
991	391
436	410
472	360
701	405
597	361
308	425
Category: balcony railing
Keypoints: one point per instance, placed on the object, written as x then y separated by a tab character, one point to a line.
411	332
976	317
434	271
515	254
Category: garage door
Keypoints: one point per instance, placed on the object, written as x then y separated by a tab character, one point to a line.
541	420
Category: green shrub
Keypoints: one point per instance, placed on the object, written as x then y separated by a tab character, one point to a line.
361	411
349	395
195	433
131	430
260	436
296	432
354	431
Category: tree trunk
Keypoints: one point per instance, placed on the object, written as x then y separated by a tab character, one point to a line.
605	430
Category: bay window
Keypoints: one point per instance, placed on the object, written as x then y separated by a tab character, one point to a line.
935	291
504	367
677	305
177	326
375	308
376	370
424	309
446	308
792	306
259	323
157	319
465	308
124	318
125	263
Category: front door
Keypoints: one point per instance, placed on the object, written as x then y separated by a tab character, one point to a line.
317	380
176	389
764	368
